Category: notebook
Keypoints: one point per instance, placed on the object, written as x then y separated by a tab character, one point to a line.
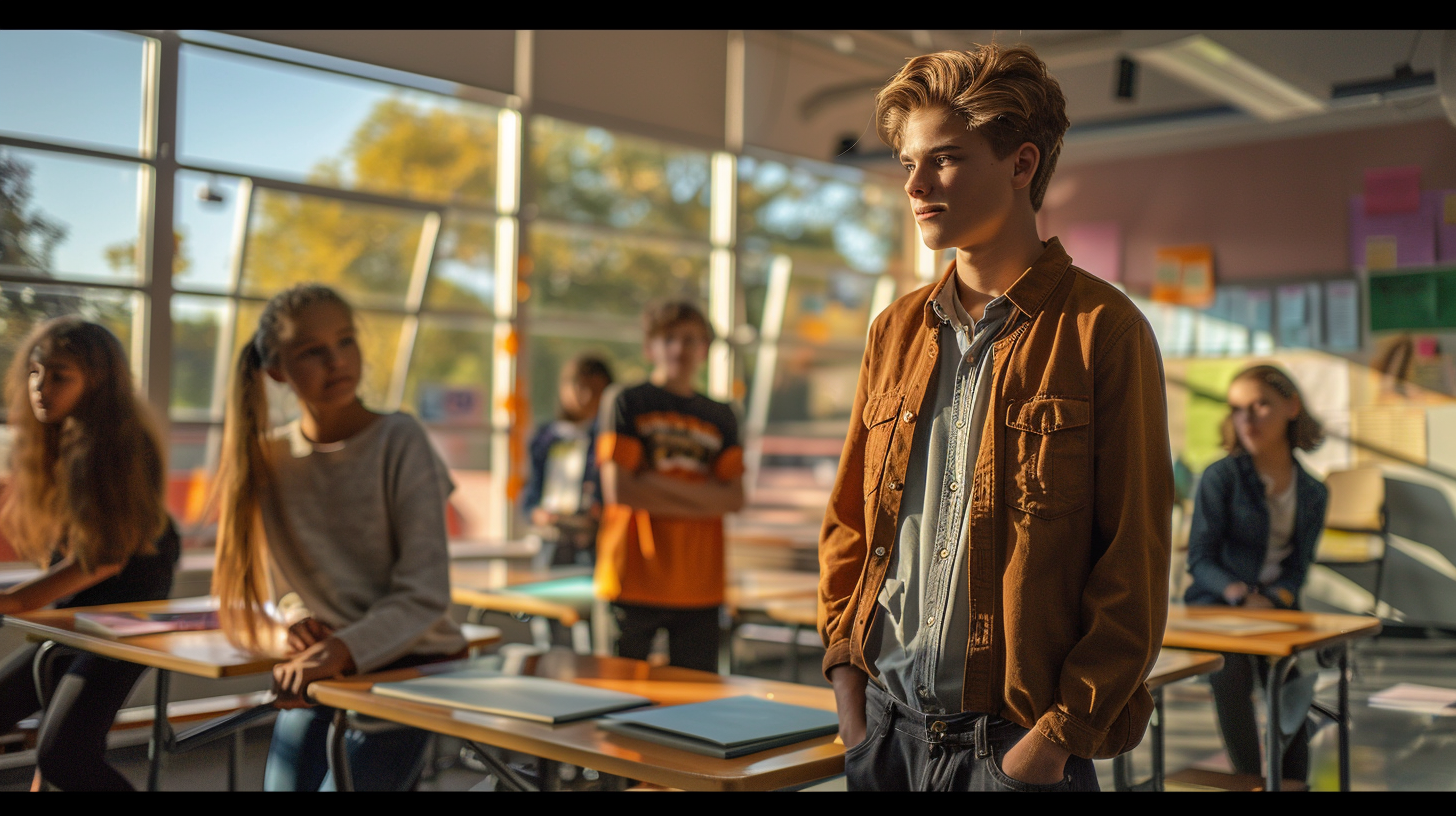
1417	698
529	698
131	624
1233	625
726	728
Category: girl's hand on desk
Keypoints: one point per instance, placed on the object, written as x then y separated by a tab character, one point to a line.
1236	592
325	659
306	633
1257	601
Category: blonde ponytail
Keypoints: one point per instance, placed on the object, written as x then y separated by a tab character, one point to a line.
245	482
240	578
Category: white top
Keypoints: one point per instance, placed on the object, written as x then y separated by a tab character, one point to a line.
364	543
1281	529
565	467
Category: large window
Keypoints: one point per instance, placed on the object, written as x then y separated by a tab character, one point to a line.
621	221
821	249
278	167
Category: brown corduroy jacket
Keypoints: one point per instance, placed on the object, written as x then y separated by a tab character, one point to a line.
1072	492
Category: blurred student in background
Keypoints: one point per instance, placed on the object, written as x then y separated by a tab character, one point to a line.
85	500
672	466
563	496
1256	520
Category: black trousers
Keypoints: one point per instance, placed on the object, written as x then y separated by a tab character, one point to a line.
71	747
692	634
1233	697
905	750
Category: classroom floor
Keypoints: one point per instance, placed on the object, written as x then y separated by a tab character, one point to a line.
1390	750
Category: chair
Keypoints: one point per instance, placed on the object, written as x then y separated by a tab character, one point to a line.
1356	524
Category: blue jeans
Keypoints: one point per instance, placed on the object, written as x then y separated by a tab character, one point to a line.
298	756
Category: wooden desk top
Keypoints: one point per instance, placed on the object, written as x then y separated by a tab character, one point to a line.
1315	630
757	589
583	743
201	654
1176	664
489	586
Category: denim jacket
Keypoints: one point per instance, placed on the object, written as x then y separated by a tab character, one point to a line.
1230	533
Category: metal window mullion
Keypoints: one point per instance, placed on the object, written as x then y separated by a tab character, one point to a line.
159	243
87	152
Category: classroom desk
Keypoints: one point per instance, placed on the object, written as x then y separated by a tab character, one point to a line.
201	654
559	593
1315	632
1173	665
583	743
197	653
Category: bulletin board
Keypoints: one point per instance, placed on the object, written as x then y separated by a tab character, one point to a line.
1415	300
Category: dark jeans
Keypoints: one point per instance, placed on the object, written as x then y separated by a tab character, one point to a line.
692	634
298	756
71	746
905	750
1233	697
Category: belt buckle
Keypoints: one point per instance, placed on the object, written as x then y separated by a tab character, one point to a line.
937	737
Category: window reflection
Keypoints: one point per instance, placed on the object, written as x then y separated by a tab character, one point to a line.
68	217
588	175
82	87
366	251
610	273
334	130
462	277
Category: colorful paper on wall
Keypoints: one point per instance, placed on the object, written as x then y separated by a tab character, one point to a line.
1413	234
1342	315
1293	316
1380	252
1184	275
1096	247
1446	228
1391	190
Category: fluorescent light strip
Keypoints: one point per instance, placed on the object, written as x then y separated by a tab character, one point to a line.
1210	67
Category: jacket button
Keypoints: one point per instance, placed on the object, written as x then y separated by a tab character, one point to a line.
879	552
909	416
896	485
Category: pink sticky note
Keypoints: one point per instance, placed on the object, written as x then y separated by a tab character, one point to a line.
1390	190
1427	347
1096	247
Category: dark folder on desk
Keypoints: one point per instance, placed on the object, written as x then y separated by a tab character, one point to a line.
529	698
726	728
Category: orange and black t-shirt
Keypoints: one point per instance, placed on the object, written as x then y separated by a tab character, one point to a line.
674	562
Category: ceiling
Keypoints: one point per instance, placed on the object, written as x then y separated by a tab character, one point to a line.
1166	114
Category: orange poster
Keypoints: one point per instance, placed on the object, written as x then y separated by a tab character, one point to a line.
1184	275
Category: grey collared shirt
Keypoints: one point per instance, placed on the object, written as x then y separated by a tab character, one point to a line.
919	639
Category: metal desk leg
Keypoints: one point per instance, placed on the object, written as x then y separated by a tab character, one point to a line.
1344	721
339	752
1273	690
1157	729
794	653
161	730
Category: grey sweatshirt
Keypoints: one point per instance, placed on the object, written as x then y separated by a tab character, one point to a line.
361	538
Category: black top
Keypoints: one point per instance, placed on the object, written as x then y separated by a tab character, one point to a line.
1230	533
144	578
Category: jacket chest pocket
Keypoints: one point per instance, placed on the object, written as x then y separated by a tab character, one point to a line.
1050	447
879	415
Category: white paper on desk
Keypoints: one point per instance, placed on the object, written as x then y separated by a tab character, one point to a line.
1233	625
1417	698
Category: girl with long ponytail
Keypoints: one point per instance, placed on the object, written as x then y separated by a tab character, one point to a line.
342	513
85	503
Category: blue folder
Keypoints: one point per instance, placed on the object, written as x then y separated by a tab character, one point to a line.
726	728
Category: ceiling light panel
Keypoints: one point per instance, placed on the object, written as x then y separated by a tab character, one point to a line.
1209	66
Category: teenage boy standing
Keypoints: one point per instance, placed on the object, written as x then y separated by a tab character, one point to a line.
994	558
671	467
